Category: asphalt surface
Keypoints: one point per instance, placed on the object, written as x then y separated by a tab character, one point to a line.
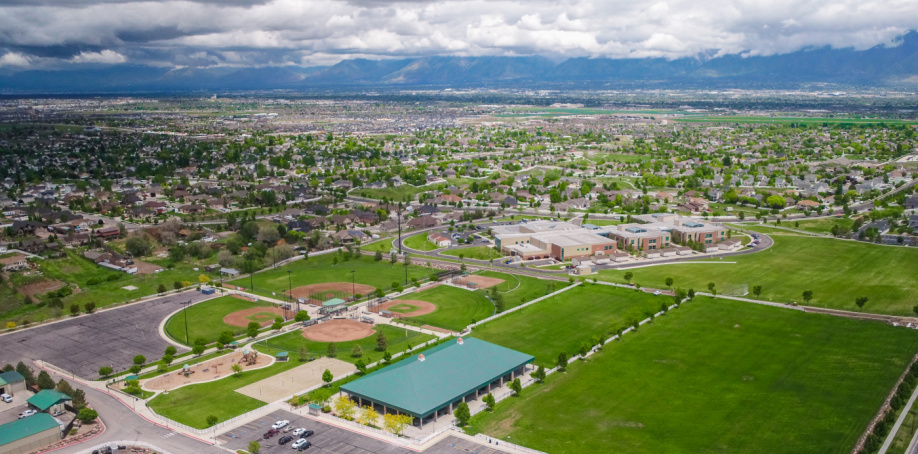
85	343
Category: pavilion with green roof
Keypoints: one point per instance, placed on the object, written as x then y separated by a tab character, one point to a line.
48	399
431	384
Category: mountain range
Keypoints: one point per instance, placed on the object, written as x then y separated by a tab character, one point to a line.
878	66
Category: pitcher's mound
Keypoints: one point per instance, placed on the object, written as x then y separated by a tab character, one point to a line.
338	331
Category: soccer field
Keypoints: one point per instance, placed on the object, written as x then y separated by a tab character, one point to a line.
715	376
563	322
836	271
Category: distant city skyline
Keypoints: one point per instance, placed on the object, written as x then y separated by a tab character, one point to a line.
37	34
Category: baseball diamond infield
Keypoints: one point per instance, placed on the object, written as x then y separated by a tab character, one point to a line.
338	331
313	293
477	281
424	307
263	315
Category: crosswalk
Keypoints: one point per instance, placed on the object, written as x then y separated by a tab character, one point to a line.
169	434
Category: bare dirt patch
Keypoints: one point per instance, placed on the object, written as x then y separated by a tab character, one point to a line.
424	307
146	268
476	281
243	317
338	331
206	371
319	293
36	288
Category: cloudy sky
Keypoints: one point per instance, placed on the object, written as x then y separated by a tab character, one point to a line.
55	33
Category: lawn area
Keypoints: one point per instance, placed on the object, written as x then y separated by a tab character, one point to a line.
399	339
456	308
420	242
715	376
321	269
561	323
823	225
475	252
836	271
384	245
520	289
205	319
769	229
602	222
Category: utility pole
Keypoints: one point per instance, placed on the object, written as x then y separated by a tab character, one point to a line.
399	211
290	289
185	312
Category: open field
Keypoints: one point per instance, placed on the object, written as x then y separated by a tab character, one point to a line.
399	339
420	242
518	289
321	269
836	271
602	222
206	319
475	252
384	245
456	308
715	376
823	225
793	120
561	323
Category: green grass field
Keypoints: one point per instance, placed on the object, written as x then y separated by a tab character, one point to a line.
561	323
420	243
206	319
399	339
836	271
474	252
715	376
823	225
321	269
456	308
384	245
602	222
518	289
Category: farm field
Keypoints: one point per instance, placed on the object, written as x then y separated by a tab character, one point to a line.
518	289
715	376
205	319
836	271
420	242
399	339
474	252
563	322
456	307
321	269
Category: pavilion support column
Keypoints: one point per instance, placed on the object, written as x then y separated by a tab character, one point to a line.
422	422
359	401
384	409
436	414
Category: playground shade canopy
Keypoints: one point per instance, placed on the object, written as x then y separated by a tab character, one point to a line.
447	373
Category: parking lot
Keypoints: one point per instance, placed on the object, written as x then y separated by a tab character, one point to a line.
330	439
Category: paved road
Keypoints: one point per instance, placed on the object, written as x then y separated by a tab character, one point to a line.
85	343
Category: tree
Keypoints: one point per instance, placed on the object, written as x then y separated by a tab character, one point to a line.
26	372
369	416
212	420
237	370
562	361
254	447
74	309
489	401
628	276
345	407
198	349
711	288
669	282
539	374
915	310
140	359
387	357
135	369
167	359
327	376
361	367
691	293
757	290
381	343
138	244
301	316
357	351
225	337
64	387
396	424
321	396
808	295
105	371
78	399
378	256
87	415
304	353
90	306
171	350
45	381
462	413
252	329
332	350
517	387
860	301
278	324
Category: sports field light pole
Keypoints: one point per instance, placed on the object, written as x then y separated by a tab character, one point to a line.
185	312
353	288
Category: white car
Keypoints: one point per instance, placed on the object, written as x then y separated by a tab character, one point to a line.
6	398
657	293
27	413
278	425
300	443
299	432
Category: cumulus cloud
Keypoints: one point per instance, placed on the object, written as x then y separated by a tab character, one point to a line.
14	59
275	32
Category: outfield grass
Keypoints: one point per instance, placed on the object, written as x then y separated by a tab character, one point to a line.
399	339
456	307
563	322
475	252
420	242
715	376
836	271
518	289
205	319
321	269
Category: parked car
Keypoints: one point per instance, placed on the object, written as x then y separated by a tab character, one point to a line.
270	433
303	433
284	440
27	413
301	444
6	398
278	425
657	293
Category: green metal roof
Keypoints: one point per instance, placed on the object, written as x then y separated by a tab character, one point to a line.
448	372
26	427
334	302
10	377
46	398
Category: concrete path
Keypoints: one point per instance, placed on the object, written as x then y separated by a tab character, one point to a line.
895	429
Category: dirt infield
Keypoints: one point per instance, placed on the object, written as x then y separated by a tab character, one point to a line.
424	307
243	317
338	331
295	380
334	289
206	371
477	281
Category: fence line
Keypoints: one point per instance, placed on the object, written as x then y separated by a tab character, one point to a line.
136	444
169	422
513	445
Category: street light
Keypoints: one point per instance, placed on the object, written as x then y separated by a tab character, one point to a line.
290	289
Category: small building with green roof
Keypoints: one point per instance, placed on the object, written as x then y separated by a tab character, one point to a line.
11	382
49	401
431	384
29	434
